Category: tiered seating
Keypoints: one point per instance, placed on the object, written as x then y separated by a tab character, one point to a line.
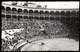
54	26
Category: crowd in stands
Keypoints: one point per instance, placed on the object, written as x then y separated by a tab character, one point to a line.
31	30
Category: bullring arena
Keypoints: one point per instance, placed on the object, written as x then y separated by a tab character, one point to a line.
39	29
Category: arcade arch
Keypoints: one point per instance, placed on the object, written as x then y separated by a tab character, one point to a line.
3	16
62	15
52	18
14	16
19	10
65	14
8	17
51	12
77	16
14	10
46	18
19	16
25	17
57	15
68	16
3	8
30	11
73	15
8	9
41	12
46	12
42	18
36	11
25	11
36	17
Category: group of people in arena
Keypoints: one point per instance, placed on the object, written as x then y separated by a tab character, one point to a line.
29	29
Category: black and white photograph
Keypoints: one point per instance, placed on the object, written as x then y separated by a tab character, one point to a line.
40	25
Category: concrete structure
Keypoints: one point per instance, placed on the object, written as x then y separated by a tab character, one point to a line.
25	11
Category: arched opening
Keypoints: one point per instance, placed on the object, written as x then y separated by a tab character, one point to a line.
36	11
25	11
19	10
67	13
46	12
67	16
51	18
14	17
46	18
19	17
62	18
3	17
42	18
3	9
77	16
8	17
73	16
51	12
14	10
30	11
25	17
41	12
57	14
8	9
36	17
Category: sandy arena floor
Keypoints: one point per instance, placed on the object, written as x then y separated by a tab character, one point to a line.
55	44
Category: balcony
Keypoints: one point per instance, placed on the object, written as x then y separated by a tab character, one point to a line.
62	16
24	14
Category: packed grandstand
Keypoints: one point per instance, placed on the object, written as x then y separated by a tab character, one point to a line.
23	25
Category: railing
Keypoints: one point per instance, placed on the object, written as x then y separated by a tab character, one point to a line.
33	14
55	17
24	14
